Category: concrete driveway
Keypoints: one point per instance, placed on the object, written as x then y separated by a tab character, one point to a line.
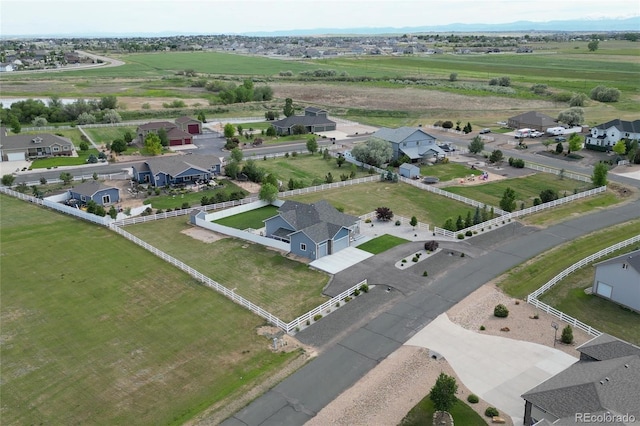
497	369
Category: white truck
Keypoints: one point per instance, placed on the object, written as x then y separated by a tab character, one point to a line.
523	133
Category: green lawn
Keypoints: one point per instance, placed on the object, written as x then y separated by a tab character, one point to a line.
422	414
382	243
561	213
527	278
569	297
59	161
308	168
176	198
527	188
448	171
251	219
282	286
96	330
73	134
102	135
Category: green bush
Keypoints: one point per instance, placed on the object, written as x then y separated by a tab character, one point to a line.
398	223
356	292
317	317
364	288
468	233
414	259
431	245
473	398
491	412
567	335
425	274
461	236
501	311
483	328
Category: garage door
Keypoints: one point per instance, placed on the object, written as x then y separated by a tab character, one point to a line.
193	129
604	290
187	141
15	156
175	142
340	244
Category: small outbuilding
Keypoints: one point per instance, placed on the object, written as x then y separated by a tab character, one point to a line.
99	192
618	279
409	171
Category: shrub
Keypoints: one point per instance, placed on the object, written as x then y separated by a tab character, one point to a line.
308	322
317	317
461	254
461	236
347	299
414	259
482	328
398	223
605	94
468	233
425	274
337	304
356	292
567	335
431	245
473	398
364	288
491	412
501	311
367	221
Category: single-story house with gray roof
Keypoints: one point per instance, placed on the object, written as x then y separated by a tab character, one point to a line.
314	120
409	170
313	230
42	145
604	382
176	169
413	142
97	191
618	279
532	120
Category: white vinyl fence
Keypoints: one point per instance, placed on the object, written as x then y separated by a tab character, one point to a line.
571	175
533	297
111	176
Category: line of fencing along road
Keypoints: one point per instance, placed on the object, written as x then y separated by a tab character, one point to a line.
533	297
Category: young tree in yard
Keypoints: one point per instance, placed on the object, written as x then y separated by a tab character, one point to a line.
620	147
271	131
508	201
476	145
468	221
459	223
113	213
229	130
236	155
443	393
577	100
202	117
496	156
83	146
288	110
477	217
449	225
128	137
231	169
374	152
414	221
559	148
575	142
66	177
572	116
312	144
118	146
599	177
164	138
340	160
7	180
567	335
384	213
268	192
152	144
547	195
240	128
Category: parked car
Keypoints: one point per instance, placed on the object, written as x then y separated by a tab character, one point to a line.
560	139
536	134
484	131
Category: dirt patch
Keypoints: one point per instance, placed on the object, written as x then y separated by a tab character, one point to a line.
251	187
135	103
203	235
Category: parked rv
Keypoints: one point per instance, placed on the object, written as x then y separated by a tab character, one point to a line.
555	131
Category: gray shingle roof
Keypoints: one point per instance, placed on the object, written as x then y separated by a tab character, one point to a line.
26	141
173	165
89	189
305	120
319	221
622	125
398	135
156	125
606	347
633	259
536	118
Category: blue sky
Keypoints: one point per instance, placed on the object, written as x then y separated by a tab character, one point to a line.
240	16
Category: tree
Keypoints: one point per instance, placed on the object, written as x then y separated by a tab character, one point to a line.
547	195
164	137
7	180
567	335
92	159
508	201
453	76
128	137
414	221
229	130
593	45
577	100
559	148
111	116
240	128
231	169
496	156
620	147
113	213
39	122
118	146
312	144
449	225
572	116
298	129
459	223
443	393
253	172
384	213
236	155
340	160
152	144
477	218
373	152
575	142
202	117
83	146
604	94
271	131
66	177
476	145
86	118
108	102
268	192
288	110
599	177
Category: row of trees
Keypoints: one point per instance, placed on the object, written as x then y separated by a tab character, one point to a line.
230	93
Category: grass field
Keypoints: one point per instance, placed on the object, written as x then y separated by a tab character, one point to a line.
73	134
251	219
527	188
382	243
577	207
422	414
59	161
282	286
96	330
446	172
404	200
102	135
173	201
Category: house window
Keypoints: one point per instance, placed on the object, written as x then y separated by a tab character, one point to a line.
65	148
186	178
106	199
303	247
56	149
83	198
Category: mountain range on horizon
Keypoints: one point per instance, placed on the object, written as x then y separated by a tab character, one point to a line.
576	25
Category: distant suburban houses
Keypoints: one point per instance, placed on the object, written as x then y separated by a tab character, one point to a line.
313	230
314	120
176	170
609	133
604	382
413	142
618	279
532	120
25	146
100	193
179	133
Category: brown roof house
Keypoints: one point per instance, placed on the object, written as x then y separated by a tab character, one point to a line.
314	120
532	120
176	136
189	125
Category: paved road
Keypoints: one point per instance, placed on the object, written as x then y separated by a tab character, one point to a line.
382	321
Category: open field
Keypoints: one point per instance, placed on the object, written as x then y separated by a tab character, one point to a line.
569	297
282	286
100	331
404	200
102	135
527	188
382	243
446	172
46	163
177	198
251	219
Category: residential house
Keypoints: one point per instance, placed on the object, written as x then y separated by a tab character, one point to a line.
409	171
532	120
176	169
42	145
609	133
313	230
413	142
604	382
618	280
6	67
189	125
176	136
314	120
92	190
